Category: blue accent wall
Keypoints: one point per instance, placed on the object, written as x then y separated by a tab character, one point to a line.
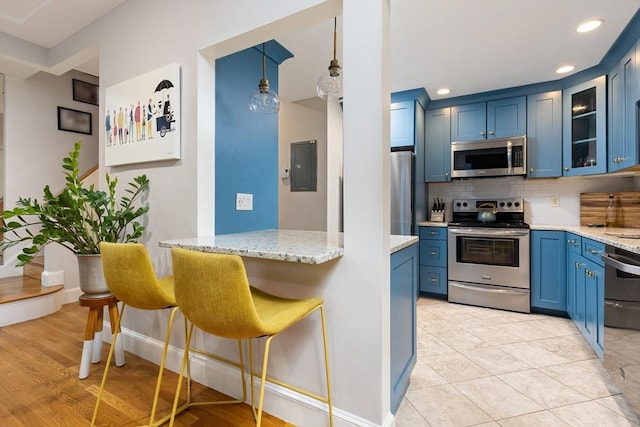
246	144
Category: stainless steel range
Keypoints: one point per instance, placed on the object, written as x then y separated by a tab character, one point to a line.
488	254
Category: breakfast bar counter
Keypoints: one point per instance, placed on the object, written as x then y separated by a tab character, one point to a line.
300	246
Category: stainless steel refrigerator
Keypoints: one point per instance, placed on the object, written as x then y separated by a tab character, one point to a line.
401	172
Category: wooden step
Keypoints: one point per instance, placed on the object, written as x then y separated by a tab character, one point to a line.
23	287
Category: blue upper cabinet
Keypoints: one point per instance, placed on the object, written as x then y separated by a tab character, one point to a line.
507	117
624	92
501	118
469	122
584	128
437	160
403	124
544	135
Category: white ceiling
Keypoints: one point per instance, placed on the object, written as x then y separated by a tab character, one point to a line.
469	46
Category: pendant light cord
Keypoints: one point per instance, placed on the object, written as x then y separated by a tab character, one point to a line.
335	29
264	64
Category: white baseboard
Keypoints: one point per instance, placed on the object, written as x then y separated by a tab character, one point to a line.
279	401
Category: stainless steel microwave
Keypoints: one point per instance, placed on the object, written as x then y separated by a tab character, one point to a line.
489	157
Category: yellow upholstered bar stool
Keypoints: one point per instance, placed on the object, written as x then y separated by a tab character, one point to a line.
130	276
213	293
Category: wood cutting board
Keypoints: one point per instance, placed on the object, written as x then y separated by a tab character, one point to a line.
593	208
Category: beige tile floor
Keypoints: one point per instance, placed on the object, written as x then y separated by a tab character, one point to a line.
483	367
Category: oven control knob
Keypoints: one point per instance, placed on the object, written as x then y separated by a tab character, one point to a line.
516	204
464	204
509	204
501	204
458	204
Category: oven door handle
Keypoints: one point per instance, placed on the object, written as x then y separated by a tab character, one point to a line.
488	232
618	262
490	289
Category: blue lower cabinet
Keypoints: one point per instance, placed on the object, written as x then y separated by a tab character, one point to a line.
585	290
404	291
594	306
433	260
548	270
433	279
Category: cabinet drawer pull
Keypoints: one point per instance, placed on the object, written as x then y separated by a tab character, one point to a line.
433	233
491	132
433	253
566	169
433	279
482	133
593	252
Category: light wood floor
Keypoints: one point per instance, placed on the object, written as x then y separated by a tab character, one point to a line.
39	384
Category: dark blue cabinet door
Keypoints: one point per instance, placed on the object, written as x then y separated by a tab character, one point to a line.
437	158
594	306
469	122
403	284
573	252
402	124
507	117
548	271
544	135
624	92
580	275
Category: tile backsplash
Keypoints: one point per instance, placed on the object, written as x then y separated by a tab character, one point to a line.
537	194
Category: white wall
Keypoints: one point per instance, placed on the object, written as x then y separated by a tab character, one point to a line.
536	193
302	210
33	145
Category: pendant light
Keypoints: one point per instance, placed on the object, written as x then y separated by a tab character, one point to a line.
330	83
263	99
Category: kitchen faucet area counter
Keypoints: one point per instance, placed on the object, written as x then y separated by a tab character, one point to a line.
306	247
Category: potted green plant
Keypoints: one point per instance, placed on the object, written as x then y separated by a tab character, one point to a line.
78	218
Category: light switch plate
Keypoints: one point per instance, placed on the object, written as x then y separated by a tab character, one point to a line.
244	202
555	201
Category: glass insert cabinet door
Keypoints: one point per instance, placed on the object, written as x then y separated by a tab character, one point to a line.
584	128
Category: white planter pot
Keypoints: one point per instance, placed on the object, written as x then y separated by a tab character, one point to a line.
91	278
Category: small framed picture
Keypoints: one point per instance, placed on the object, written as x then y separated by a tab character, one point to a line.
85	92
74	121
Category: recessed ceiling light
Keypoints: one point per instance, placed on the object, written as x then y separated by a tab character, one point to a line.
443	91
589	25
565	69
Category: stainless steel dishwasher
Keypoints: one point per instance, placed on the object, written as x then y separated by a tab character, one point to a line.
622	322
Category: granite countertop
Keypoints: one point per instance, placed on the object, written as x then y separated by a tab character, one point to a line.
606	235
307	247
432	224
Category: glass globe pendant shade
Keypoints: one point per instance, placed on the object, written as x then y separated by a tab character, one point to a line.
330	83
263	99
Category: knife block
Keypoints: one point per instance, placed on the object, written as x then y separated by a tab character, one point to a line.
437	216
